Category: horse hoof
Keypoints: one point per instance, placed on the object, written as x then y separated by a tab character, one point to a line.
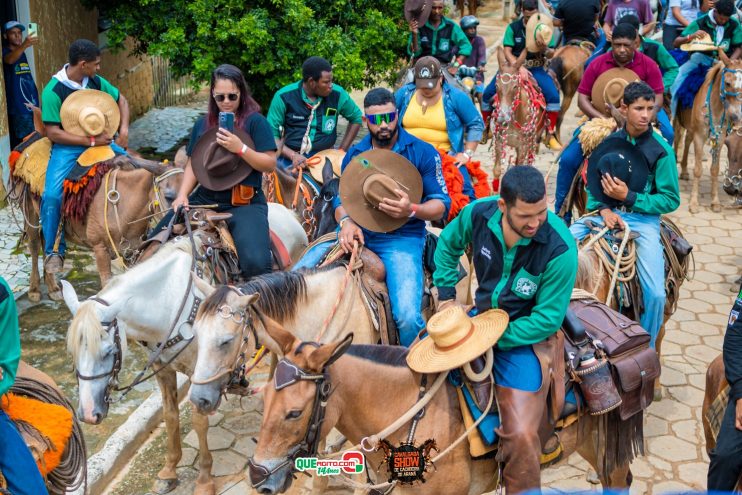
164	486
693	208
34	296
56	295
592	477
716	208
684	176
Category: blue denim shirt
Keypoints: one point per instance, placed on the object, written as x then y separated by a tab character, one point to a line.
463	121
426	159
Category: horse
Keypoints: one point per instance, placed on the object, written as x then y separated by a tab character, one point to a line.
152	303
519	114
568	66
300	410
297	194
732	184
115	221
717	108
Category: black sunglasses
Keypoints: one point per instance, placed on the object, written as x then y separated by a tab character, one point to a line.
231	96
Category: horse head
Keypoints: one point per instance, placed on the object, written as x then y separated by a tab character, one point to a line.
508	85
97	343
227	334
731	89
293	415
324	213
733	180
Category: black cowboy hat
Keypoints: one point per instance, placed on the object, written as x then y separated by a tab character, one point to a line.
621	159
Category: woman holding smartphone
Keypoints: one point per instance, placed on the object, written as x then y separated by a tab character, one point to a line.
239	192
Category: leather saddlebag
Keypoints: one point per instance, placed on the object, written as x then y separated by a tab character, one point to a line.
635	374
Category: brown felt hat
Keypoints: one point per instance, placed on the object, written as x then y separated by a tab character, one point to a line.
89	112
455	339
418	10
316	163
609	86
373	176
214	166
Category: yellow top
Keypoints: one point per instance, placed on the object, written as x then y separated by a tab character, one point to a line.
430	127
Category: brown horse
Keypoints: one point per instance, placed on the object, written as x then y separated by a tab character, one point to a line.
517	118
119	213
281	187
716	109
360	406
568	65
733	179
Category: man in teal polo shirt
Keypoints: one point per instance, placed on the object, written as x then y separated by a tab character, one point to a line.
304	114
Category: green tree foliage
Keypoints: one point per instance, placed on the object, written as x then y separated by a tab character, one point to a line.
365	40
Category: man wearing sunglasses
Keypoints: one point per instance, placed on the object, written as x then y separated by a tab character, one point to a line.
401	250
304	114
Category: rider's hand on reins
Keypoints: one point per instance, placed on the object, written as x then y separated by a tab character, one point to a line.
612	219
348	233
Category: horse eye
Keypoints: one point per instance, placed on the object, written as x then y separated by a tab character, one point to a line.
295	414
226	342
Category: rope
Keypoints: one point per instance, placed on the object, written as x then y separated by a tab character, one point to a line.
617	263
105	218
72	471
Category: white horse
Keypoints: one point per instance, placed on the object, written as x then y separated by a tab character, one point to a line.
153	302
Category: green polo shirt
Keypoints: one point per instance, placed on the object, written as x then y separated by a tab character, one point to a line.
10	337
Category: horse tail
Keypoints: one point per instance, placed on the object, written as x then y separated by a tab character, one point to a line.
556	65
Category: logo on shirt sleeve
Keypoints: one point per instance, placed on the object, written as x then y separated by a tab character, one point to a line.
439	174
733	315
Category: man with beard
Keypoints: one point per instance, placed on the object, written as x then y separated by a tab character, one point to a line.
526	262
400	250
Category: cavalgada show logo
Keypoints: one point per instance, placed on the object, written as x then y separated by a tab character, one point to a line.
351	463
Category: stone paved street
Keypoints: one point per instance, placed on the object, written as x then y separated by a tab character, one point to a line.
14	264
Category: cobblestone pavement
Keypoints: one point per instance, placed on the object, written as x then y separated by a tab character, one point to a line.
15	265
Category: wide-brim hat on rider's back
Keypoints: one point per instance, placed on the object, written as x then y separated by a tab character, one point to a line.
609	86
455	339
372	176
621	159
702	44
89	112
418	10
216	167
316	163
539	27
428	72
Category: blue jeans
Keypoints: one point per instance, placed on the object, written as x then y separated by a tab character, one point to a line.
569	163
548	88
650	263
16	462
61	162
665	127
695	60
600	47
402	256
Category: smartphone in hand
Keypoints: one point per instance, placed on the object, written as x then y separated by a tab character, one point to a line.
33	29
226	121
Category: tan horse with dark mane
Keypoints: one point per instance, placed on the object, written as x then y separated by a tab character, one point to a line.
717	108
360	378
518	116
132	191
568	66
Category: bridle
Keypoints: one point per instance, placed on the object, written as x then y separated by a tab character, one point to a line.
118	357
287	374
240	369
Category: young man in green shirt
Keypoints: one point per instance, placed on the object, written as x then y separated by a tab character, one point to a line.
304	114
439	37
640	208
80	73
16	462
526	262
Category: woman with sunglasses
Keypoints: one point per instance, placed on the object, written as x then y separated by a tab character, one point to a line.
249	222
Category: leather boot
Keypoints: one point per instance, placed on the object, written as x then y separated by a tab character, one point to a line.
481	389
521	415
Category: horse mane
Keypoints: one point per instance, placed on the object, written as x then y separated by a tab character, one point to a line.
386	355
713	72
587	272
85	331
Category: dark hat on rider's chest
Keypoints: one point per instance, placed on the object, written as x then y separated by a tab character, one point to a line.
622	160
217	168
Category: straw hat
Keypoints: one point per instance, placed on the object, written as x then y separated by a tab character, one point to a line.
539	27
418	10
702	44
455	339
609	86
89	112
373	176
317	162
216	167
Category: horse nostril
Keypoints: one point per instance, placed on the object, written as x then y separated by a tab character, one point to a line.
204	403
97	417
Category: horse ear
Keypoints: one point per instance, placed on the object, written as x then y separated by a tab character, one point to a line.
247	300
202	287
327	354
70	297
501	61
327	171
278	340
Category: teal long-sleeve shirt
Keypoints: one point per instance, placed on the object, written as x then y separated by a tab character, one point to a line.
10	337
440	44
532	281
661	195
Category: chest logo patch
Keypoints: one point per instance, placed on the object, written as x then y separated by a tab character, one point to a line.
526	287
329	125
